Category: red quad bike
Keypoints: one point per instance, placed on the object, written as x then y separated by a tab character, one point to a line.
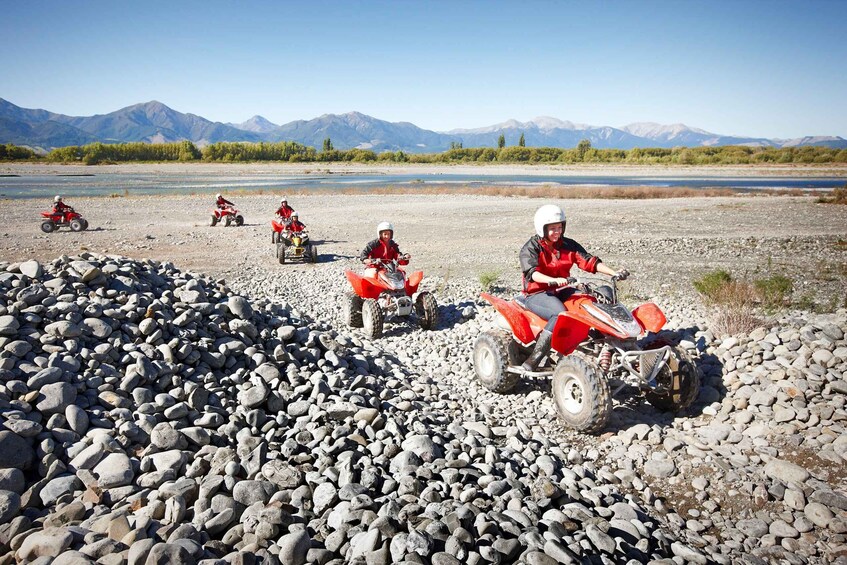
387	294
51	221
597	340
277	227
227	215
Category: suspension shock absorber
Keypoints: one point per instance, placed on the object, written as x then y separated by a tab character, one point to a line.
605	358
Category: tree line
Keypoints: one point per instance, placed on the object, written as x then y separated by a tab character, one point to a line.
289	151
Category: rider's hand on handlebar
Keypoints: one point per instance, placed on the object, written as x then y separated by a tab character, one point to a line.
561	281
622	275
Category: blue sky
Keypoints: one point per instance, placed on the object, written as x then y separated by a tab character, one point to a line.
770	69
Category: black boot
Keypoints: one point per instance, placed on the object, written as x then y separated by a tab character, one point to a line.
542	347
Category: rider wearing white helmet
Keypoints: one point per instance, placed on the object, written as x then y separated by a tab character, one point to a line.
383	247
296	225
284	211
221	202
59	206
546	261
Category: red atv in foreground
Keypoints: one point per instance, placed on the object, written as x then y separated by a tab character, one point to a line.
227	215
597	340
51	221
387	293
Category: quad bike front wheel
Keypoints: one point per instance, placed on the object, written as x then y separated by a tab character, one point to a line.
213	220
581	395
680	378
427	310
313	253
280	253
493	352
239	220
352	309
227	221
76	225
48	226
372	318
273	237
84	224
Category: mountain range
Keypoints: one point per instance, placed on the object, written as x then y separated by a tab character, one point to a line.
154	122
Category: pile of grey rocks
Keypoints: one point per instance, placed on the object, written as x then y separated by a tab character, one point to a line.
149	415
755	471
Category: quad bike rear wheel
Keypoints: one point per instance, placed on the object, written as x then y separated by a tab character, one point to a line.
372	318
493	352
239	220
581	395
427	310
313	253
353	309
680	378
227	221
48	226
76	225
213	220
280	253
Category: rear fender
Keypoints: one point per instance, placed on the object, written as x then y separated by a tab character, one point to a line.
362	286
568	333
277	226
412	282
650	317
515	316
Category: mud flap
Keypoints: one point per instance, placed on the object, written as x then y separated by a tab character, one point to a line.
568	333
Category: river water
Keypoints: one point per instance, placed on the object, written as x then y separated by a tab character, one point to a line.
180	183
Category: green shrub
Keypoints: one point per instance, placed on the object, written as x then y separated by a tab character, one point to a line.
487	279
712	284
774	290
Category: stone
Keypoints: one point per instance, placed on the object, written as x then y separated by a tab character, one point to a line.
294	547
56	397
661	468
9	325
786	471
13	480
240	307
114	470
31	268
818	514
49	542
10	503
15	452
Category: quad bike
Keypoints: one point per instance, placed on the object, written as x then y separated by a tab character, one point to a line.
227	215
51	221
294	245
387	293
597	341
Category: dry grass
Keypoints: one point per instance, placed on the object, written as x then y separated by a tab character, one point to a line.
555	191
735	312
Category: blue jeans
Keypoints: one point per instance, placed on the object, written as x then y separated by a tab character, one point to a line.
548	305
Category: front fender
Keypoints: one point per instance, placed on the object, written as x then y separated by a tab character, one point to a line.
362	286
412	282
650	317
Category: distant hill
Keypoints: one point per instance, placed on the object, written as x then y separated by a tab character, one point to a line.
155	122
355	130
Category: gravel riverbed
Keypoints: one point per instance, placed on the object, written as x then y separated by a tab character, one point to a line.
152	414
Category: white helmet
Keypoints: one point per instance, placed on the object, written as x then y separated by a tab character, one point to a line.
218	195
57	198
549	214
284	200
295	214
385	226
